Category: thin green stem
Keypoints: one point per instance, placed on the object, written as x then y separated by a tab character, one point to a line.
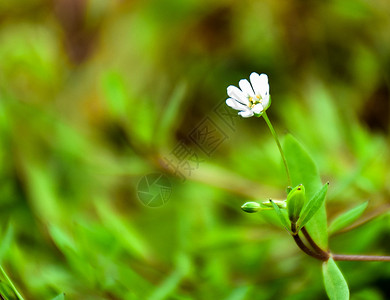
271	128
11	284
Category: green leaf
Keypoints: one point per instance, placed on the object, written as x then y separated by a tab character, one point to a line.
281	216
123	230
6	242
59	297
335	285
114	89
347	218
312	206
170	114
239	293
304	171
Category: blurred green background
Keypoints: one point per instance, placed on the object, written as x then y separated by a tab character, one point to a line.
96	94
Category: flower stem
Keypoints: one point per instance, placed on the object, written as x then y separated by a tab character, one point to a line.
302	245
323	255
360	257
305	249
313	243
271	128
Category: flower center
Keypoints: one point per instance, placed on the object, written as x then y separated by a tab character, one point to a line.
254	101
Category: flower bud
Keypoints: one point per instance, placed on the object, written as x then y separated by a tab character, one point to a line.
295	201
251	207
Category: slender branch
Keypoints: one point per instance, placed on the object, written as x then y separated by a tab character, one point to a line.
302	245
294	228
305	249
313	243
271	128
341	257
360	257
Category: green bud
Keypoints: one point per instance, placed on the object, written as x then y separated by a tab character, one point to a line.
295	201
251	207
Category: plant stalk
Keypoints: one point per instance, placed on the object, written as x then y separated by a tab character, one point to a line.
342	257
323	255
313	243
271	128
303	247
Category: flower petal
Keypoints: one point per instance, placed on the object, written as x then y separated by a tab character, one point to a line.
258	108
246	114
237	94
260	84
246	88
235	104
265	101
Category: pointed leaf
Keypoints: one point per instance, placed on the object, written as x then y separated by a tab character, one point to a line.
171	114
6	242
304	171
312	206
335	285
347	218
59	297
281	216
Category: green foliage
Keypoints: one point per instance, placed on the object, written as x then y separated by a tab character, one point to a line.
335	284
304	171
313	205
6	242
347	218
283	219
59	297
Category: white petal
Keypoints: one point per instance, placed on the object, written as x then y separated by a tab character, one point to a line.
235	104
236	93
246	114
246	88
258	108
265	100
260	84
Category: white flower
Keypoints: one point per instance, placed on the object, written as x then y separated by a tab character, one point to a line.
251	98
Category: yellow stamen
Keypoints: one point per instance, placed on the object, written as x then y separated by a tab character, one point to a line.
253	102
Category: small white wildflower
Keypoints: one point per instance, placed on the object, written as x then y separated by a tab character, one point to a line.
251	98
